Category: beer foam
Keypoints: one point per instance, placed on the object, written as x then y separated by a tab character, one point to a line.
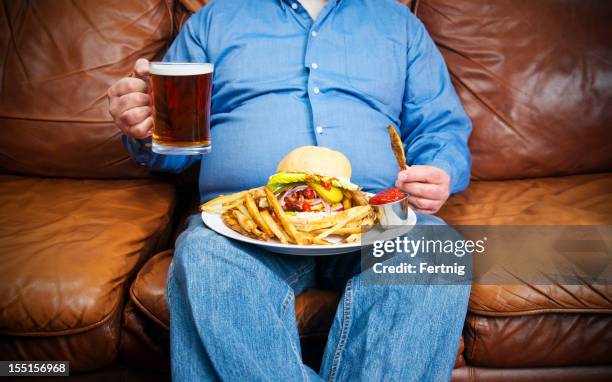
180	69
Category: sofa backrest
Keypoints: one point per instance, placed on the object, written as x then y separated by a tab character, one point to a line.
58	59
535	76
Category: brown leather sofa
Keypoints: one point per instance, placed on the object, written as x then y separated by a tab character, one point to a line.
86	235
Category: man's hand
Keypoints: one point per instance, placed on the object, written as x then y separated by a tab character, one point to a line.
427	187
129	102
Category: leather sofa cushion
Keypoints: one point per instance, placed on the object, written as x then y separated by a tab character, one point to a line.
581	199
58	60
531	75
544	340
148	291
87	350
522	300
67	248
572	200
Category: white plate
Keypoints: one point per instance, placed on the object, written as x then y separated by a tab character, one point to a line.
214	222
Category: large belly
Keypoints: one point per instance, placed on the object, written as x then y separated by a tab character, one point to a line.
249	141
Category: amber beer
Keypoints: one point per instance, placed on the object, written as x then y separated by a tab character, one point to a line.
181	107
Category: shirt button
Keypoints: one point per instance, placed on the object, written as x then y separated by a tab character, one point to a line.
314	65
316	90
313	33
294	6
319	129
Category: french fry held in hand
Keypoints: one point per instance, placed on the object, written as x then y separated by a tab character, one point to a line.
398	148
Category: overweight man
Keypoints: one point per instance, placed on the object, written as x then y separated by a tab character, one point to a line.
291	73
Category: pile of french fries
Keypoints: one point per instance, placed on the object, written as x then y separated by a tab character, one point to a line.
257	213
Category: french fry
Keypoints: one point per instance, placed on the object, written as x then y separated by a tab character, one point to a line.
276	230
328	221
312	239
258	192
346	202
231	222
248	225
221	200
359	198
228	200
398	148
240	207
224	207
352	238
342	231
276	207
353	213
255	214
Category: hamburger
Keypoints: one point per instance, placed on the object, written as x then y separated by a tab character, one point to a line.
313	182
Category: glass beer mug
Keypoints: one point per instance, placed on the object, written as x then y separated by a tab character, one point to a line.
181	107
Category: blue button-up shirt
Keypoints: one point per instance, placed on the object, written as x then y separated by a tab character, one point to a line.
282	80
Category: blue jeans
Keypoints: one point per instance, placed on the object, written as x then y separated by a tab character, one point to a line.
232	316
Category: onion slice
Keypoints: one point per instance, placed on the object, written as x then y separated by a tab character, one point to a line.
327	206
291	191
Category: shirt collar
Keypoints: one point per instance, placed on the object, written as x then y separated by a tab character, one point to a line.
284	3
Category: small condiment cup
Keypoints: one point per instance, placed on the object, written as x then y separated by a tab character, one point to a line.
394	213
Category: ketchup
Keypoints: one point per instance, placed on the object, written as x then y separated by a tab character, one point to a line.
387	196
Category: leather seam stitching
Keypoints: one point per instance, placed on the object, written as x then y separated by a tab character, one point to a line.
66	332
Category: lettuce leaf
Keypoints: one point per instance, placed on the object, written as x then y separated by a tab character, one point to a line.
283	177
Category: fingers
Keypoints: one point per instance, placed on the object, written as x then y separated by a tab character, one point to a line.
424	190
141	68
427	187
135	115
423	174
127	85
129	102
140	130
119	105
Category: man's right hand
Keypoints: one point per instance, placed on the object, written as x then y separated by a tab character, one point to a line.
129	102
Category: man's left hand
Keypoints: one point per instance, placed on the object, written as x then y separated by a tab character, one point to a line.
427	186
